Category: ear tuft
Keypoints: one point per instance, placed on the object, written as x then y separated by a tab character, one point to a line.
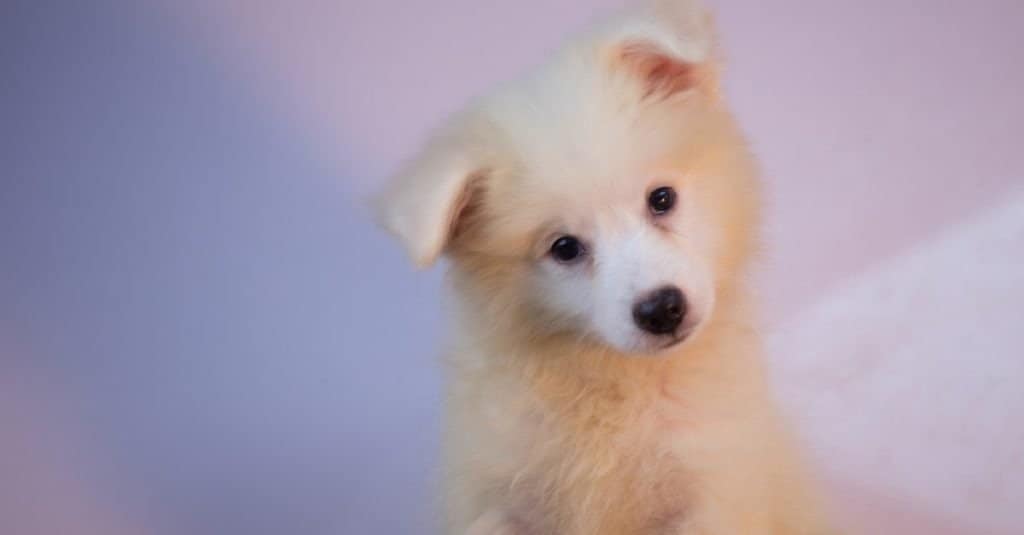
422	204
660	73
667	46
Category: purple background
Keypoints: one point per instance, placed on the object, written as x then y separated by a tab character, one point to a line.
200	330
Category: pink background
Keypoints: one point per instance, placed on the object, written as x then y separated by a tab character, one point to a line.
194	309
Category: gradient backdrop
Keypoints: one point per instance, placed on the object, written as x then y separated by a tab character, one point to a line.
201	332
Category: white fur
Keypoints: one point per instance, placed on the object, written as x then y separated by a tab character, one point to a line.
552	427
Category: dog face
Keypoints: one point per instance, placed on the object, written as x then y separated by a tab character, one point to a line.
609	197
630	268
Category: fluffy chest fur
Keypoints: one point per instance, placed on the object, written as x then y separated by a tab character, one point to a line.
587	443
561	458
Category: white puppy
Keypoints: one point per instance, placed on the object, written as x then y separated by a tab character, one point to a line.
605	376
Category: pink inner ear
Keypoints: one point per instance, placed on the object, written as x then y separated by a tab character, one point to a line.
662	74
466	207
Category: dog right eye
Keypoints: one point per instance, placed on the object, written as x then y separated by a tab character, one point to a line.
567	249
661	200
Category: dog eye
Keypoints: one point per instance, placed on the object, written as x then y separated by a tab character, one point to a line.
567	249
661	200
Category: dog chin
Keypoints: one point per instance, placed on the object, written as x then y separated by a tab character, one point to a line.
648	346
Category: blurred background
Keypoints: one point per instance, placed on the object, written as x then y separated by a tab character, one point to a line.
201	332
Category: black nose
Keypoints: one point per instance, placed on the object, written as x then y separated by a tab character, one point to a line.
660	312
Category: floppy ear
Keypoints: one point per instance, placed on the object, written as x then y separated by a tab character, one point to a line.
668	47
422	204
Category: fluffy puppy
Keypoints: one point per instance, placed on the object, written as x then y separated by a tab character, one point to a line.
604	367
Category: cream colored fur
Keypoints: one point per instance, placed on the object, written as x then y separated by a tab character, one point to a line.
562	419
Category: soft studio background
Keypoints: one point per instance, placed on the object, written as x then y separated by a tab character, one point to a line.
201	332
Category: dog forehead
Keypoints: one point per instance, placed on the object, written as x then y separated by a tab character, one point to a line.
564	161
571	121
596	147
573	148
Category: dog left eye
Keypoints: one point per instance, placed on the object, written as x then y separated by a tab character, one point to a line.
567	249
661	200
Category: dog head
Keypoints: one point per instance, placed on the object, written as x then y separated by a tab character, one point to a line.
609	196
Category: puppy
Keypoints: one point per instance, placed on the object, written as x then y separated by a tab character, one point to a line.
605	377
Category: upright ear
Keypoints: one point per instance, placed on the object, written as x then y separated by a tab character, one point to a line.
668	47
422	203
